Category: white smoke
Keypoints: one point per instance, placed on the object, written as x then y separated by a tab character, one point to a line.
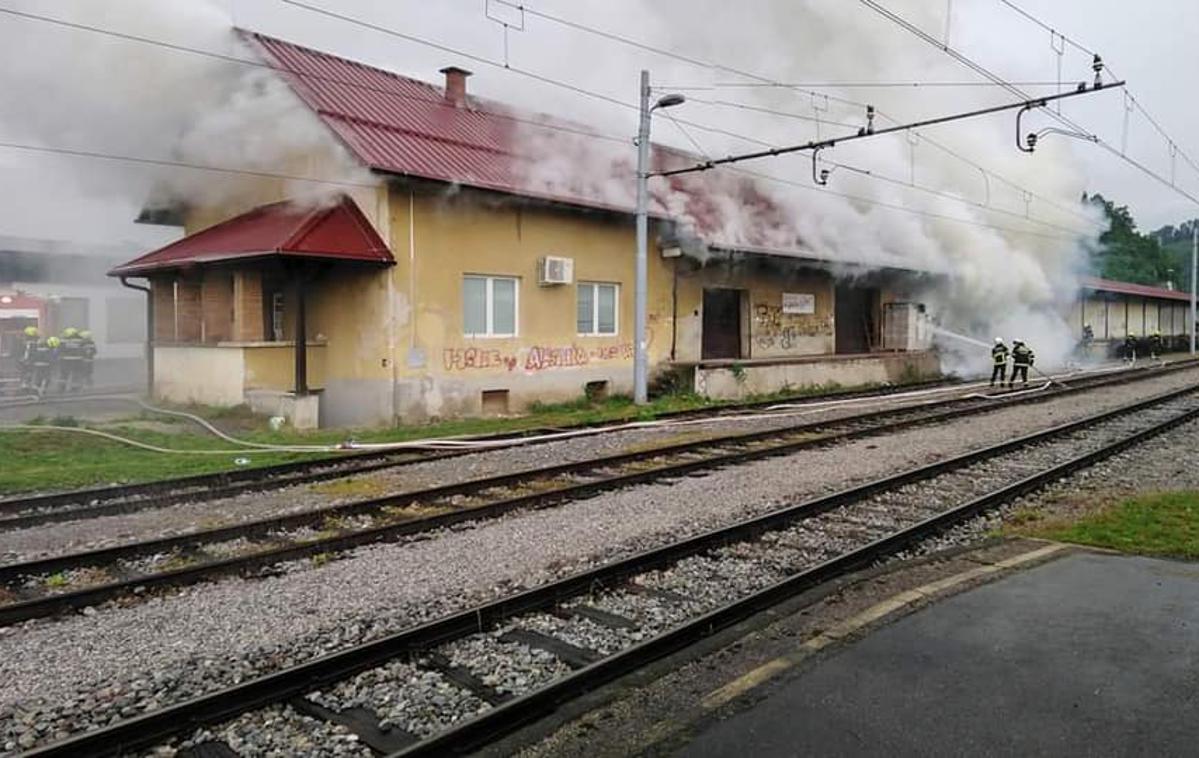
997	279
79	90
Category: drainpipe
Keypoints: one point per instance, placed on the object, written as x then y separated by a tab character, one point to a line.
149	332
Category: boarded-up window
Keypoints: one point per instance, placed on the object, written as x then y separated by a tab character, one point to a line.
126	322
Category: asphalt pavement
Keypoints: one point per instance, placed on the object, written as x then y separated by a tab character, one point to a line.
1088	655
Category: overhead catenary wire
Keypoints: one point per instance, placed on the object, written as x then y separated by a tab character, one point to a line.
843	85
100	155
437	102
1136	104
1016	91
868	133
768	81
600	96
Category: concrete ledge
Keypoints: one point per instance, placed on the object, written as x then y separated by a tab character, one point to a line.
300	412
737	380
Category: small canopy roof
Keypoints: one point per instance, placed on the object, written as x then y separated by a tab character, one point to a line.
1128	288
334	230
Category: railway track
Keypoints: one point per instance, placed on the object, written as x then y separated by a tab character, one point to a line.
16	513
457	682
48	586
22	513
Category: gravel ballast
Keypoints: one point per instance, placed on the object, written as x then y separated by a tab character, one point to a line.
107	531
207	636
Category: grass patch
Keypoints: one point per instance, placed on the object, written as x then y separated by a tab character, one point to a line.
1162	524
57	460
356	488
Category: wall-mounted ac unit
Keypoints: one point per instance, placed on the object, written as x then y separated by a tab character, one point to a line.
553	270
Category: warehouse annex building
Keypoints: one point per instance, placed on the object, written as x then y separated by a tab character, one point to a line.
475	279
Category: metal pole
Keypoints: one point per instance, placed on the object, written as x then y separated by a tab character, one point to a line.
301	341
1194	272
640	359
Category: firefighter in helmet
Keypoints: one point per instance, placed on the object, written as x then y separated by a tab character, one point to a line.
70	359
999	354
88	364
1130	348
31	336
44	353
1155	344
1022	359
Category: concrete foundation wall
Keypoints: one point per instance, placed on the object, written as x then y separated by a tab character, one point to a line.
199	374
729	383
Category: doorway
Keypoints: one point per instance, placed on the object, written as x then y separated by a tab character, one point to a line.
721	336
856	322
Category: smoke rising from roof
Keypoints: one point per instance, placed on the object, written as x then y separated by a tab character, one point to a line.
80	90
995	281
75	89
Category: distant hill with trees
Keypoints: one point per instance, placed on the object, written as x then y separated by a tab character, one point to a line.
1157	258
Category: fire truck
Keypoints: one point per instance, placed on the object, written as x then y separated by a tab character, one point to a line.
17	311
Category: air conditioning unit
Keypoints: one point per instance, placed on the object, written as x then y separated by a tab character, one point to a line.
553	270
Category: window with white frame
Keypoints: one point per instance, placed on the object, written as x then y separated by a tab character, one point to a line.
597	314
489	306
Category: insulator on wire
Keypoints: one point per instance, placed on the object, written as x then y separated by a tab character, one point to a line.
1097	67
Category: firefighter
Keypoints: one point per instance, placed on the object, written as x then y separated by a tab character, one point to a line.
88	363
1155	344
999	355
1130	348
70	359
43	363
1022	359
27	349
1088	339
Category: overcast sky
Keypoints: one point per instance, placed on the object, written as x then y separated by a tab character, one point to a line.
1148	43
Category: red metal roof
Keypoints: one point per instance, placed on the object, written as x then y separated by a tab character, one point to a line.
1127	288
335	231
404	126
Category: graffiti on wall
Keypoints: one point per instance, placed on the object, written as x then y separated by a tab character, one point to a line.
775	328
534	358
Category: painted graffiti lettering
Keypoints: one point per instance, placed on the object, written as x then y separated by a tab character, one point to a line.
535	358
540	358
463	358
775	328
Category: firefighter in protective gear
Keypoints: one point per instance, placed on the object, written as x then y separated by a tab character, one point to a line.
26	360
89	358
70	360
999	355
1022	358
1130	348
43	363
1155	344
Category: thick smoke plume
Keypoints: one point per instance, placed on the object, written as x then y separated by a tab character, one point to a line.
994	281
75	89
79	90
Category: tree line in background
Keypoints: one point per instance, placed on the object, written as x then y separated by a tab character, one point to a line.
1160	258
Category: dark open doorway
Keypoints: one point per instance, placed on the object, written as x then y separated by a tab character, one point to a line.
856	319
722	324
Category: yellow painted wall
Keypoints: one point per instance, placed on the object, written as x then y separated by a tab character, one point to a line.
771	333
439	239
272	366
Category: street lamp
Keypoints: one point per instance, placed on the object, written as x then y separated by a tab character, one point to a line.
640	357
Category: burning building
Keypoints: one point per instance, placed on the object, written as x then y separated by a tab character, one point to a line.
472	276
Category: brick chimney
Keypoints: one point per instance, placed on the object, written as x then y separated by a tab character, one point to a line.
455	85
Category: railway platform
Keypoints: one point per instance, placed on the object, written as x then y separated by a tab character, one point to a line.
1090	654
